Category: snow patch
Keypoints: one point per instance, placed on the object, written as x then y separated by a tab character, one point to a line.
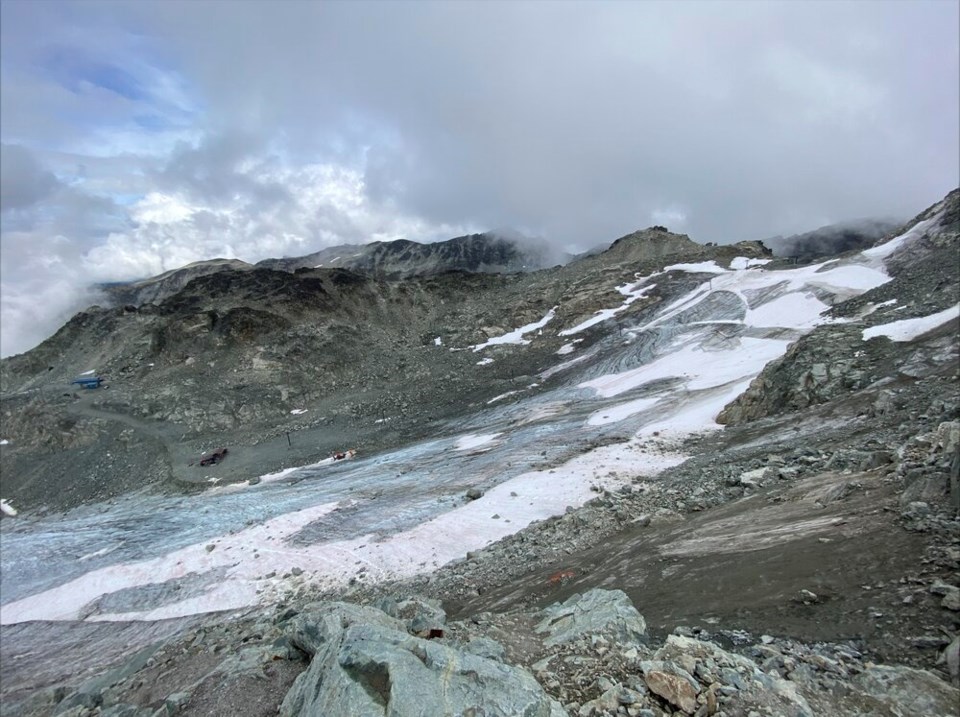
909	329
438	341
485	361
516	336
702	267
917	231
740	263
298	411
4	442
7	509
568	348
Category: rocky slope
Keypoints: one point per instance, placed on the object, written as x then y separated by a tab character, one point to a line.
241	357
477	253
801	561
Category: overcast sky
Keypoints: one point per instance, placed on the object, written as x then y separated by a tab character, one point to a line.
141	136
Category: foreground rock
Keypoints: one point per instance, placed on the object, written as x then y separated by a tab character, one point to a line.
586	656
364	663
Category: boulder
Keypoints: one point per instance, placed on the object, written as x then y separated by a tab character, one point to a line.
672	683
908	691
595	611
367	665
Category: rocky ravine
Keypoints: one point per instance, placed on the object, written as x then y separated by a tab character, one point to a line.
803	562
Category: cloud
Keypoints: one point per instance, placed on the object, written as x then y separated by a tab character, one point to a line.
23	182
146	134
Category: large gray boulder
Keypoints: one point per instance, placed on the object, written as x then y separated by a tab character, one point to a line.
365	664
908	691
593	612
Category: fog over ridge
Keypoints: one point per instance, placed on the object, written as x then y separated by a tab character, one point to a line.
141	136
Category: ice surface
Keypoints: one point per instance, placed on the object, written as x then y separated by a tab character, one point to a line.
620	411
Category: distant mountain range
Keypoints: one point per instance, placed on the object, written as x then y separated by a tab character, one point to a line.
487	253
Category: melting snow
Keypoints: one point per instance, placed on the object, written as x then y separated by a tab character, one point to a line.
516	336
631	291
568	348
909	329
703	267
473	441
741	262
887	248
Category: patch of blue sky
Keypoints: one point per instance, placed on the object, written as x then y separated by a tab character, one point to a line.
127	200
75	71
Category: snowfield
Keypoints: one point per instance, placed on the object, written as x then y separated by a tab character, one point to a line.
342	524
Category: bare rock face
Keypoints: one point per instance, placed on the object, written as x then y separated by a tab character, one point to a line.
672	683
908	691
365	664
595	611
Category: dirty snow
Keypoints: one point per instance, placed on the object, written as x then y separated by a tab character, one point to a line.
516	336
909	329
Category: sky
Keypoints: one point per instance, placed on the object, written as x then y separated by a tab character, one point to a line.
141	136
